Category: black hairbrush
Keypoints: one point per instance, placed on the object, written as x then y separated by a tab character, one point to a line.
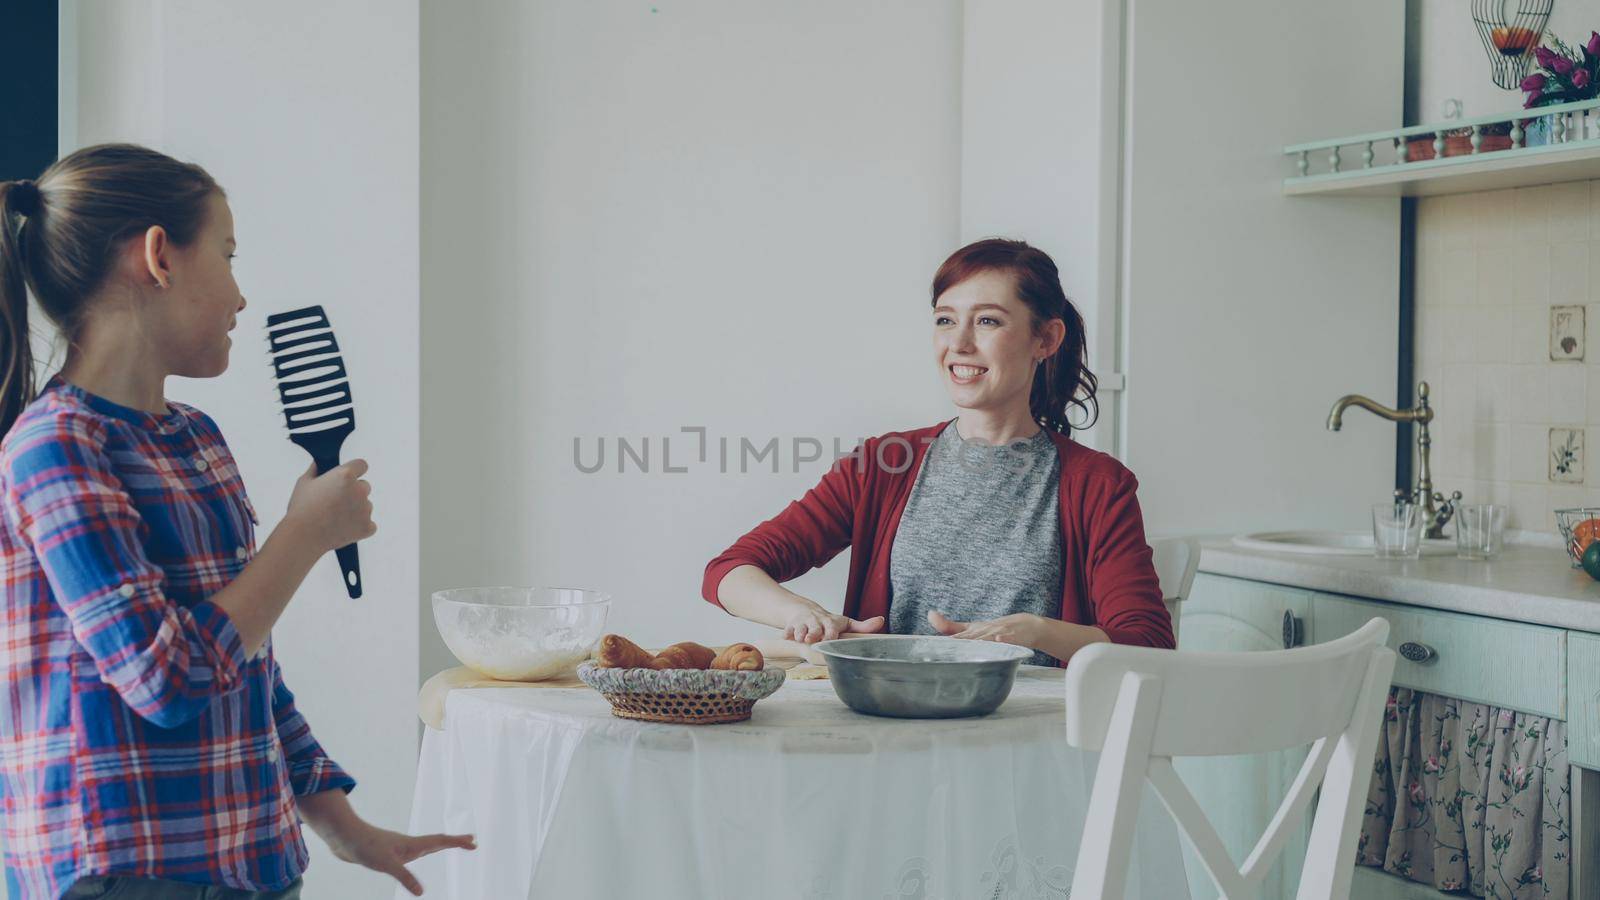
315	390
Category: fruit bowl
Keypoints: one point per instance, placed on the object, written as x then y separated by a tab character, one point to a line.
1580	526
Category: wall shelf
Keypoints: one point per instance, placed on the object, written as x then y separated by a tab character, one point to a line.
1567	148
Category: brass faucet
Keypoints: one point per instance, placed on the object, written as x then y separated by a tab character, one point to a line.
1436	509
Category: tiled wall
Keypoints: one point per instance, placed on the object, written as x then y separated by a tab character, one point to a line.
1515	406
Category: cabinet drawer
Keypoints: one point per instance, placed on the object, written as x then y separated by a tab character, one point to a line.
1236	614
1583	685
1508	664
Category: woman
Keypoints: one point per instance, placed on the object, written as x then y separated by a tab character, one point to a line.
149	747
992	526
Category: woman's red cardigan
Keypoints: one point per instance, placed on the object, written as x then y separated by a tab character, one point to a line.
1108	578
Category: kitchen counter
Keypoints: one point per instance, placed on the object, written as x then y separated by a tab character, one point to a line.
1527	582
1520	633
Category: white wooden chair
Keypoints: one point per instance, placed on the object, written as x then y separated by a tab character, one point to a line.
1141	707
1176	561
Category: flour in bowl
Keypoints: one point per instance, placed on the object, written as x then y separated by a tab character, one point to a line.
497	647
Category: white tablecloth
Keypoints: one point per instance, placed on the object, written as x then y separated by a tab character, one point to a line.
807	800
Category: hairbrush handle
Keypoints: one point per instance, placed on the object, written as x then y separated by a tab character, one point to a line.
350	568
349	560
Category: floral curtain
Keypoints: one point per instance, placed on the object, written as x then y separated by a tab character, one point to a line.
1469	797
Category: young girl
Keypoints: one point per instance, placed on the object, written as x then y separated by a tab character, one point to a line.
148	745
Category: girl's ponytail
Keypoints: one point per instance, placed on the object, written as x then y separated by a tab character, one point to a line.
18	200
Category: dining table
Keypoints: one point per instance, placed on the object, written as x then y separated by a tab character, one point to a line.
807	799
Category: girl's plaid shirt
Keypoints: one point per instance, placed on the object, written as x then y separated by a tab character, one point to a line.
136	738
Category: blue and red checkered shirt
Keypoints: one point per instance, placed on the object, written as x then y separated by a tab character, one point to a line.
136	738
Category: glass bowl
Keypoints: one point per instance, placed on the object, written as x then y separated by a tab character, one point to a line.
518	633
1568	521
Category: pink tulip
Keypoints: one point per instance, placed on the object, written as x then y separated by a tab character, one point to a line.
1534	82
1580	77
1545	56
1560	65
1594	43
1532	99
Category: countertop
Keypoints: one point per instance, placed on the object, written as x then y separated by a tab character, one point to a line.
1527	582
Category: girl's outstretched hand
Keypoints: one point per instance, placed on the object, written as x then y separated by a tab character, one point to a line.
355	840
382	850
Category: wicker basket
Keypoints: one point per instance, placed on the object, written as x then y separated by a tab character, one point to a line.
681	696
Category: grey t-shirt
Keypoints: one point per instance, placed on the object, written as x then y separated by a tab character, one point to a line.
981	535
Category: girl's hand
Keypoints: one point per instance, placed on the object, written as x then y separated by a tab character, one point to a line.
817	624
388	852
354	840
1022	629
333	509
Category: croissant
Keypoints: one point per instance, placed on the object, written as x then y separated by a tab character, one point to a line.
687	655
617	652
739	657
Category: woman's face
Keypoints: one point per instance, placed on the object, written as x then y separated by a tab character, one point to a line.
985	344
203	301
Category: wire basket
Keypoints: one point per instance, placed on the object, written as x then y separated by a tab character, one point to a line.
681	696
1576	532
1510	43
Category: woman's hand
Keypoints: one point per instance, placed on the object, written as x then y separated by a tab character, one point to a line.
1022	629
354	840
813	623
333	509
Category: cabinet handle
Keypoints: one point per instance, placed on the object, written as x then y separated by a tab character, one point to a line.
1294	632
1418	652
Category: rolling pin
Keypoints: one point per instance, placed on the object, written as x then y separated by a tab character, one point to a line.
778	648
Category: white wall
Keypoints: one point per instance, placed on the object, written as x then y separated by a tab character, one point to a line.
1490	267
306	112
710	213
1453	64
1249	313
1039	155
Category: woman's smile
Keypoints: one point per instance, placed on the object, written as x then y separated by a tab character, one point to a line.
966	374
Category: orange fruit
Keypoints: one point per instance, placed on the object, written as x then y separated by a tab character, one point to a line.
1585	533
1513	41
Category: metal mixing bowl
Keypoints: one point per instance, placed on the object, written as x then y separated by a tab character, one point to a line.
915	677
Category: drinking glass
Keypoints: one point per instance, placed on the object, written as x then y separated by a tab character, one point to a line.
1396	530
1480	528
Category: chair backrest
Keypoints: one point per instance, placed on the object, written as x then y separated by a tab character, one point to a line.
1176	561
1140	707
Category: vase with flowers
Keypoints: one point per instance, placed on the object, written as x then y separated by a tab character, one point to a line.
1564	75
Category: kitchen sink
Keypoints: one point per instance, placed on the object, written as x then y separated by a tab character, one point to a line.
1329	543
